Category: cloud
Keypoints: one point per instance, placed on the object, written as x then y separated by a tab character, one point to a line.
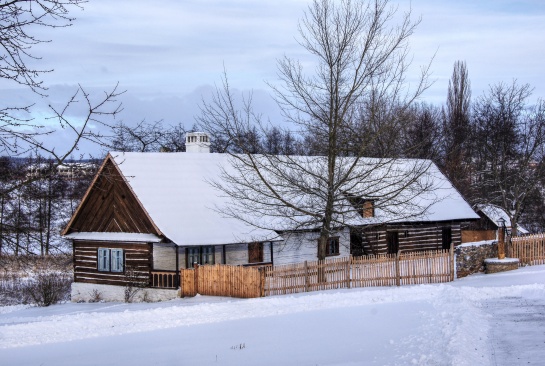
169	53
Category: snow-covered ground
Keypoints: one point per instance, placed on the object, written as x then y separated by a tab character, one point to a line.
496	319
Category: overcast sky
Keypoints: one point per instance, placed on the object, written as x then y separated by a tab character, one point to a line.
168	54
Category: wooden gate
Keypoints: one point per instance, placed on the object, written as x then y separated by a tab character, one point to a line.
222	280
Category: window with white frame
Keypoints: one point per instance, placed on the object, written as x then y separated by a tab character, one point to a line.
110	260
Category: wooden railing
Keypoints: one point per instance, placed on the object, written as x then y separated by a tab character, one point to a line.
164	279
529	249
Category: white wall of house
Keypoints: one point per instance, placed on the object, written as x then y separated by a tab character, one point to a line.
303	246
85	292
296	248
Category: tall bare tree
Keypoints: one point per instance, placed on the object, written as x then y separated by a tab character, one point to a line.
510	149
360	56
457	129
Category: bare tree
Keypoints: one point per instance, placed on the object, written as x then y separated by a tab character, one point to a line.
361	65
457	129
20	133
20	23
422	136
147	137
510	148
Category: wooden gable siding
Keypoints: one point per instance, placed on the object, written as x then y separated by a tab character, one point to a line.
138	257
110	206
411	237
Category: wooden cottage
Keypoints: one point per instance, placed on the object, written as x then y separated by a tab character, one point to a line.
146	215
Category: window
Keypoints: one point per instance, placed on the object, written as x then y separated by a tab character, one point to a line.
199	255
332	246
110	260
207	255
117	260
104	260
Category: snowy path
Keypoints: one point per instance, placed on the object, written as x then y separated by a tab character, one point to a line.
448	324
518	330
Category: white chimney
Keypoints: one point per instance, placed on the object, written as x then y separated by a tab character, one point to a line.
197	142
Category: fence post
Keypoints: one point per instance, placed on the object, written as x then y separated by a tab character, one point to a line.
196	277
306	277
348	261
451	260
262	281
398	274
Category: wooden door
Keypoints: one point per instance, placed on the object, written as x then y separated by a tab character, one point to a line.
446	237
392	239
255	252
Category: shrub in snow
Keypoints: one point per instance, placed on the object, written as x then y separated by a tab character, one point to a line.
11	291
135	282
35	280
48	288
95	296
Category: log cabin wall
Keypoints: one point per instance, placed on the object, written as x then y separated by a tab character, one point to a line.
137	256
411	237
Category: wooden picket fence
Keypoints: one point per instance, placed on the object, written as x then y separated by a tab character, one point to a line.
334	273
222	280
380	270
529	249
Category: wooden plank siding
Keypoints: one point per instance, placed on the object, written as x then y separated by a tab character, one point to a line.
138	256
412	237
110	206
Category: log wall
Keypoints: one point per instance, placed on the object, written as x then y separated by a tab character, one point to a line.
411	237
137	256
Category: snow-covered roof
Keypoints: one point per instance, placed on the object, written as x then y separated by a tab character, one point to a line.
176	191
124	237
495	213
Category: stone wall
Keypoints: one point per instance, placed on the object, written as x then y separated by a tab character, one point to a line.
470	257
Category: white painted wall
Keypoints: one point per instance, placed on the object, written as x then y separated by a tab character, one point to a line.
303	246
83	292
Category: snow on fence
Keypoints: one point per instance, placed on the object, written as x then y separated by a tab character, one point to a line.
333	273
529	249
